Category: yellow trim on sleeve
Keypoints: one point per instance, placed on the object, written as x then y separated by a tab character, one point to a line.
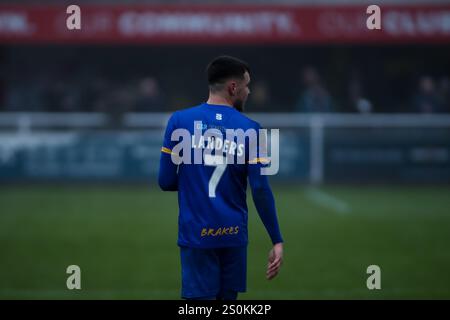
166	150
259	160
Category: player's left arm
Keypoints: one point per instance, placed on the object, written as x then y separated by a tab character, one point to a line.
264	202
265	205
168	170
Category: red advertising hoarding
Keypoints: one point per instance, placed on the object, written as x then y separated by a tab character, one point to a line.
213	24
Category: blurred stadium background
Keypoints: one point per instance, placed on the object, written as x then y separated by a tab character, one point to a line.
364	120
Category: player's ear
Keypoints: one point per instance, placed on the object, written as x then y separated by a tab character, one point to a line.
232	88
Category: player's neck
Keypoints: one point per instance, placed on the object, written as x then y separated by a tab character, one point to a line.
218	100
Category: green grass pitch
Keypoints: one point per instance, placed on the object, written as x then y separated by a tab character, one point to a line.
124	240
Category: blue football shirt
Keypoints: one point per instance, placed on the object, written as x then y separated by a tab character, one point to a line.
212	195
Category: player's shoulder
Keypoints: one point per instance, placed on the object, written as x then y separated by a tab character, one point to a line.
244	121
248	122
185	113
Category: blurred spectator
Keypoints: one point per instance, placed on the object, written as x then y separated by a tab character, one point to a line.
149	96
71	98
95	94
259	97
85	82
2	95
357	101
314	98
444	94
54	96
119	101
427	99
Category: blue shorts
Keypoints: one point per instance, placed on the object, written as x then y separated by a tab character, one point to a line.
208	272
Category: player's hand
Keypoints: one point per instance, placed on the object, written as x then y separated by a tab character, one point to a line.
275	261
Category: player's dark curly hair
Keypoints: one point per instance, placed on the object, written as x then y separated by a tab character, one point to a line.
224	68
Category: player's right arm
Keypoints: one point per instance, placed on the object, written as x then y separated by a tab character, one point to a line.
168	171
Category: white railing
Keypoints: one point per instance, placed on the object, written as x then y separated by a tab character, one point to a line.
271	120
315	123
24	121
